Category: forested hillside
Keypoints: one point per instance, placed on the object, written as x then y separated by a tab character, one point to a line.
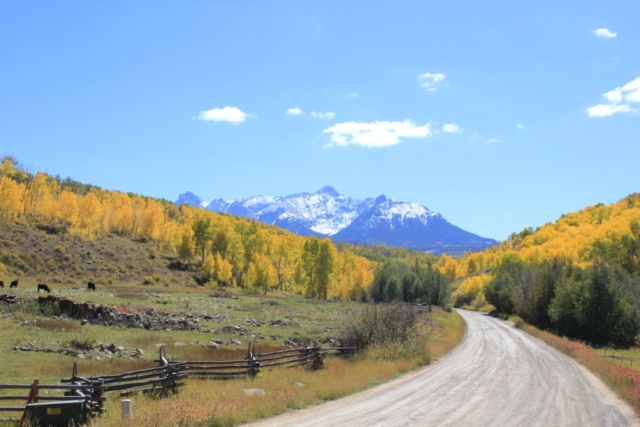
579	276
218	249
59	229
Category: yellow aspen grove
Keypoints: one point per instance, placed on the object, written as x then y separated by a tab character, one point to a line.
11	198
67	210
265	273
185	247
235	251
208	269
121	213
89	213
223	270
48	208
168	235
36	189
152	221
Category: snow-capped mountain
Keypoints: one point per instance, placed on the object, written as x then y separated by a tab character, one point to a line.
328	213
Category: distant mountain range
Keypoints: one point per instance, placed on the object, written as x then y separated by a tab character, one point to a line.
328	213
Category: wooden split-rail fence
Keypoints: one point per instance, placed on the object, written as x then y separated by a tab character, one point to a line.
165	378
311	356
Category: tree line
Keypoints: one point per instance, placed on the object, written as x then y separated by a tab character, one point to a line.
579	276
224	250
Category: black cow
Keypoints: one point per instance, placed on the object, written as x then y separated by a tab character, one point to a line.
1	284
44	288
14	284
91	286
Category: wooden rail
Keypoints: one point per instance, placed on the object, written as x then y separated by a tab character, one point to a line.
166	377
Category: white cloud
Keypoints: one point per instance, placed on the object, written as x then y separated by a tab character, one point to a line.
452	128
429	80
520	126
603	32
493	141
604	110
376	134
328	115
294	111
227	114
634	90
620	100
352	95
613	96
474	135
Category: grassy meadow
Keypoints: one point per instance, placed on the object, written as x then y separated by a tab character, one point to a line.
281	318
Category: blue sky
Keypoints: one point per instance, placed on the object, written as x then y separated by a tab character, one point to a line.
498	114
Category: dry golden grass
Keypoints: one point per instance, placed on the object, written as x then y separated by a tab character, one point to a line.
622	379
221	403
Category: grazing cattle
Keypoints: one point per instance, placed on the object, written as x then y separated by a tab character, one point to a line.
91	286
44	288
1	284
14	284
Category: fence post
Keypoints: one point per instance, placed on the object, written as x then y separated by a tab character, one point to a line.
127	409
32	395
99	393
254	363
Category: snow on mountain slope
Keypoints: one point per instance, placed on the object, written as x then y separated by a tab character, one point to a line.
328	212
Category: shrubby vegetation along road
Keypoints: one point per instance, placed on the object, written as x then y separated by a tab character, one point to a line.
498	376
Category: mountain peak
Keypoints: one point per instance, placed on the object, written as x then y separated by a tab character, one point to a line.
192	199
380	200
329	213
330	191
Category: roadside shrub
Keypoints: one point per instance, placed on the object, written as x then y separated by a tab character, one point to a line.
386	331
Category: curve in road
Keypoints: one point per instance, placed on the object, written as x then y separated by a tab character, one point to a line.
497	376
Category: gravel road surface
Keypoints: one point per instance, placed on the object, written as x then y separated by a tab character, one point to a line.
497	376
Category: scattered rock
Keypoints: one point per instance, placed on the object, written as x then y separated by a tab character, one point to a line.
254	391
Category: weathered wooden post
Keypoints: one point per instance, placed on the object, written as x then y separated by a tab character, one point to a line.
100	397
127	409
32	397
254	363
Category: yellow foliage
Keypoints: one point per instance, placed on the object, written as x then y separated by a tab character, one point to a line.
233	250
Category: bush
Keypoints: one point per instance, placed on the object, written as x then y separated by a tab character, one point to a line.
393	330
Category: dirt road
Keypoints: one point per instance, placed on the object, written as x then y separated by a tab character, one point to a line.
497	376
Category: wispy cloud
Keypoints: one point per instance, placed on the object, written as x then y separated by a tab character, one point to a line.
603	32
493	141
604	110
294	111
429	81
619	100
328	115
352	95
520	126
375	135
452	128
227	114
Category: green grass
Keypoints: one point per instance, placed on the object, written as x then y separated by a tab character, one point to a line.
208	402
